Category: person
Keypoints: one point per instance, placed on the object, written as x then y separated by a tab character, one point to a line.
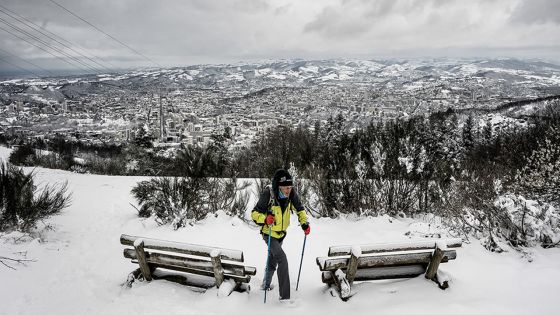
272	213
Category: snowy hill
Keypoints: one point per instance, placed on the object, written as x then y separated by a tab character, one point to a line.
78	266
302	73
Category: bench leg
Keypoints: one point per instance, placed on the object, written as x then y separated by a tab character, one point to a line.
432	272
342	284
442	279
141	256
217	266
352	267
226	288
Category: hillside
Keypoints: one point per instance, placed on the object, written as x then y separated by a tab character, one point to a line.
77	265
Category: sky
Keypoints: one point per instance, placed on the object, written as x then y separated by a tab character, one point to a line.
186	32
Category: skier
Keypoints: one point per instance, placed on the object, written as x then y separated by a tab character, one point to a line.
272	212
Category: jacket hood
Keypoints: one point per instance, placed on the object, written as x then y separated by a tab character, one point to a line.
281	178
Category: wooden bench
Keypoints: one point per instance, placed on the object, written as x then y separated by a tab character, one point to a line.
346	264
197	266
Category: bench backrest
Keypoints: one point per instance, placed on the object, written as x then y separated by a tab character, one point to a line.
346	264
219	263
183	248
385	261
391	247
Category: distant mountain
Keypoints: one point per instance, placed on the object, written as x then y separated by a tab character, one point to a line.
293	73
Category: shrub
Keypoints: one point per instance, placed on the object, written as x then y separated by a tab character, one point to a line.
479	208
106	166
533	223
472	209
22	204
225	194
182	200
23	155
540	176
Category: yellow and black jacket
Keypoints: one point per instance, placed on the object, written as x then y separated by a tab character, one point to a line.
281	209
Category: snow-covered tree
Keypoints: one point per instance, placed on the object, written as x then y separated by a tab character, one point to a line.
532	223
540	177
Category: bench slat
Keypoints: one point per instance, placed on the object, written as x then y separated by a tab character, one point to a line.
190	262
241	279
183	248
380	260
378	248
200	282
380	273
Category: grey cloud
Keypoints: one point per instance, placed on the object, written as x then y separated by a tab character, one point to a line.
251	6
537	12
187	31
334	23
322	21
380	8
356	17
282	9
245	6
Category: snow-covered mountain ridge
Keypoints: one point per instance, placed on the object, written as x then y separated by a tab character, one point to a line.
300	72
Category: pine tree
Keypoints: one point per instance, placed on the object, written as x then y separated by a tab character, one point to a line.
468	137
142	138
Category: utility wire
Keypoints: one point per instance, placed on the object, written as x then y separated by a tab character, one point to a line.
30	24
43	49
21	68
48	45
26	61
113	38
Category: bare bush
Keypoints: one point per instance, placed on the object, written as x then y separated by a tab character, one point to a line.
182	200
228	195
22	203
472	211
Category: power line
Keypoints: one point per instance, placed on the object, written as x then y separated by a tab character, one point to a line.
43	49
45	32
26	61
48	45
113	38
24	69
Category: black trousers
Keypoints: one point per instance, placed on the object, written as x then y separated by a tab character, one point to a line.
278	260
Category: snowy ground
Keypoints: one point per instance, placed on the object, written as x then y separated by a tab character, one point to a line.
79	268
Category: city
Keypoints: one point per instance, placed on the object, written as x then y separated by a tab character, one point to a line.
187	105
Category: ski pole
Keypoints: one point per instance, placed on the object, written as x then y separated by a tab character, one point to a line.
301	261
267	258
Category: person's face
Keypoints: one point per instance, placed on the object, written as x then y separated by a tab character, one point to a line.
286	190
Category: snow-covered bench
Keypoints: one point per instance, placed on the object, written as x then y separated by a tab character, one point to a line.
193	265
346	264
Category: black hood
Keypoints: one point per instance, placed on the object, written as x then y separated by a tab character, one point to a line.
280	176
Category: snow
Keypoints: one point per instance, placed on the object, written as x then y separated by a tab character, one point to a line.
78	266
356	250
262	72
311	69
379	247
277	76
115	122
441	245
235	77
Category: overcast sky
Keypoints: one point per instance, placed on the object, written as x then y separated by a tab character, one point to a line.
184	32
